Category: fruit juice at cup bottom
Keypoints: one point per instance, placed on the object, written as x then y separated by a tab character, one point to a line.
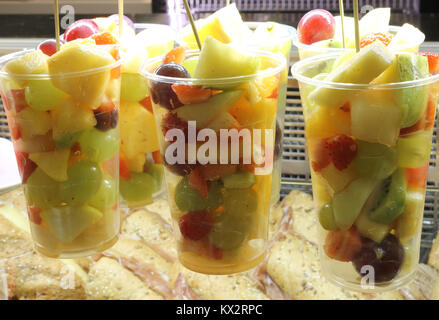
369	148
276	38
63	118
141	169
220	211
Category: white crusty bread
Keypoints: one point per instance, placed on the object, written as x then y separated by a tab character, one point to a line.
161	207
145	263
214	287
421	288
108	280
435	290
153	230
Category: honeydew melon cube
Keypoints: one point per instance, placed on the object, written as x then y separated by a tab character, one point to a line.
53	163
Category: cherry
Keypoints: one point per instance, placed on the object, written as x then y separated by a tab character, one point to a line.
196	224
161	92
48	47
83	28
386	258
316	25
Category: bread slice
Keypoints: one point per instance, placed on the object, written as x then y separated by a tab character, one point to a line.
435	290
433	259
153	230
108	280
214	287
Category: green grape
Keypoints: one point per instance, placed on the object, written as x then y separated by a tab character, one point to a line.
84	180
156	171
239	180
139	187
230	230
106	196
187	199
242	201
326	217
68	140
190	64
41	190
99	145
42	95
133	87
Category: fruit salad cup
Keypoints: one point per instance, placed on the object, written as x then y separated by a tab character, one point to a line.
369	123
62	112
318	32
141	169
219	191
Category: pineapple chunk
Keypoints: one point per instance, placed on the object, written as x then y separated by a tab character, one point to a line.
138	130
365	66
70	117
408	224
33	122
136	163
53	163
89	88
34	62
224	121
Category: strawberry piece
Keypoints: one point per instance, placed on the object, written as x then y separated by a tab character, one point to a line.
106	106
104	38
198	183
34	214
25	165
433	61
342	245
124	172
188	94
430	114
146	103
343	150
175	55
196	224
346	107
321	156
274	94
385	38
14	128
157	157
417	177
16	99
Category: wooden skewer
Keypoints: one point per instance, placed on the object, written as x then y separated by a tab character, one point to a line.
191	20
357	26
227	2
56	10
341	2
120	7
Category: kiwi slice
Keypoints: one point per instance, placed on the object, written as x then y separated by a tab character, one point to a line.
390	198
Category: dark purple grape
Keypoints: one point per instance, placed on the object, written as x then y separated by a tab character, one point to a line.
386	257
162	92
106	120
179	169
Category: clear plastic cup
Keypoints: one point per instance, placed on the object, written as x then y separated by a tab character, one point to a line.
141	178
65	131
310	50
219	205
280	43
369	173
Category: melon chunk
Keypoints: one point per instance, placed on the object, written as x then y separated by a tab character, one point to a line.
53	163
365	66
33	122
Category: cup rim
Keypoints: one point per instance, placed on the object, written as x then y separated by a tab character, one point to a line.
352	86
46	76
139	27
214	81
304	46
290	34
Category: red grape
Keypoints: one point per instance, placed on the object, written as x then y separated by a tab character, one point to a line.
83	28
316	25
196	224
48	47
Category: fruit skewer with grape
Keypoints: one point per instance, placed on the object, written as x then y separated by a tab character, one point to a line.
220	211
369	151
141	169
62	110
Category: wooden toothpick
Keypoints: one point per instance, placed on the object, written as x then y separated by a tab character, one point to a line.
120	8
191	20
342	21
357	26
56	11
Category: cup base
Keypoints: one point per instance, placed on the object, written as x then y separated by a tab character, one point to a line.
221	269
79	253
381	287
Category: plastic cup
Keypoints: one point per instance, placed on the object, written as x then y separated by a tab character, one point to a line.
141	178
310	50
219	205
368	173
280	43
65	132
